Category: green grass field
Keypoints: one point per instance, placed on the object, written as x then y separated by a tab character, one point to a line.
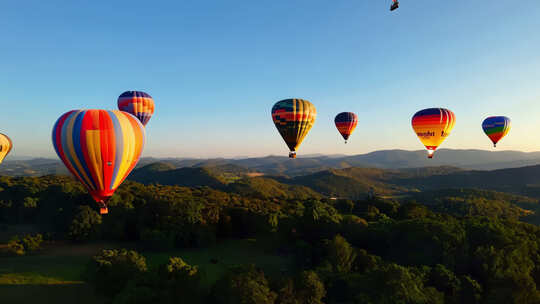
54	276
228	253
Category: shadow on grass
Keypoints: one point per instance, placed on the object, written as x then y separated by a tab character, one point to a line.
43	294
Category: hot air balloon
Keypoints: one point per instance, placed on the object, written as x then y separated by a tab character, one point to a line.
5	146
346	123
496	127
395	5
100	148
293	119
432	126
137	103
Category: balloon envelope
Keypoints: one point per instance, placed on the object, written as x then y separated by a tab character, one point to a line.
137	103
293	119
346	123
5	146
99	147
496	127
432	126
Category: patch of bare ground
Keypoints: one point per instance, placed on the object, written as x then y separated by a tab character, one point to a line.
254	174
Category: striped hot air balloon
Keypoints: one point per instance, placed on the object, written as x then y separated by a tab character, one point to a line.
346	123
5	146
293	119
432	126
137	103
99	147
496	127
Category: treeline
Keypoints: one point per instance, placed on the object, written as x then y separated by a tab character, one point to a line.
365	251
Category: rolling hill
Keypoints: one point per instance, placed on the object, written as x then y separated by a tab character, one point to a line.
524	180
281	165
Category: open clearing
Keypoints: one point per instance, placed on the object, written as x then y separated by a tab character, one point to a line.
55	275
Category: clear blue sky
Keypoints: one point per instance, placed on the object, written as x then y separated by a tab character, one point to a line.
215	68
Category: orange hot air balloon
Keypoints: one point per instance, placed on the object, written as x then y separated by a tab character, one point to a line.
100	148
432	126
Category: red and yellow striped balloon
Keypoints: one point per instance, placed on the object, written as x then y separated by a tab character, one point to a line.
137	103
346	123
99	147
432	126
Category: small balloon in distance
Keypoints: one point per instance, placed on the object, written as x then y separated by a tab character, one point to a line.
346	123
137	103
496	127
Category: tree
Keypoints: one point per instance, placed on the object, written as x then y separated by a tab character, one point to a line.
310	288
245	285
471	291
412	210
287	293
181	280
26	244
174	282
341	254
365	262
32	242
345	206
446	281
388	284
111	270
85	224
15	246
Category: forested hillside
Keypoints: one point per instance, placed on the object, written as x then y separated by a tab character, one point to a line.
338	236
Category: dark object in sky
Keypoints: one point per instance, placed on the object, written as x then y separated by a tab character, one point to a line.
395	5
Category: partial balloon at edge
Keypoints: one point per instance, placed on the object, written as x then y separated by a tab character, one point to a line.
5	146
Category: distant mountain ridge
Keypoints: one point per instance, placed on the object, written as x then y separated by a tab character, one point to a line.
282	165
352	183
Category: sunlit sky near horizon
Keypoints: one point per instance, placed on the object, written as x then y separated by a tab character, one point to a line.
215	68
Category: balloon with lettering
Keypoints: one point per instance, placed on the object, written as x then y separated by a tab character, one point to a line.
137	103
293	119
100	148
5	146
346	123
496	127
432	126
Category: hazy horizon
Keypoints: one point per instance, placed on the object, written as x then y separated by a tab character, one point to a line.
310	155
215	69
